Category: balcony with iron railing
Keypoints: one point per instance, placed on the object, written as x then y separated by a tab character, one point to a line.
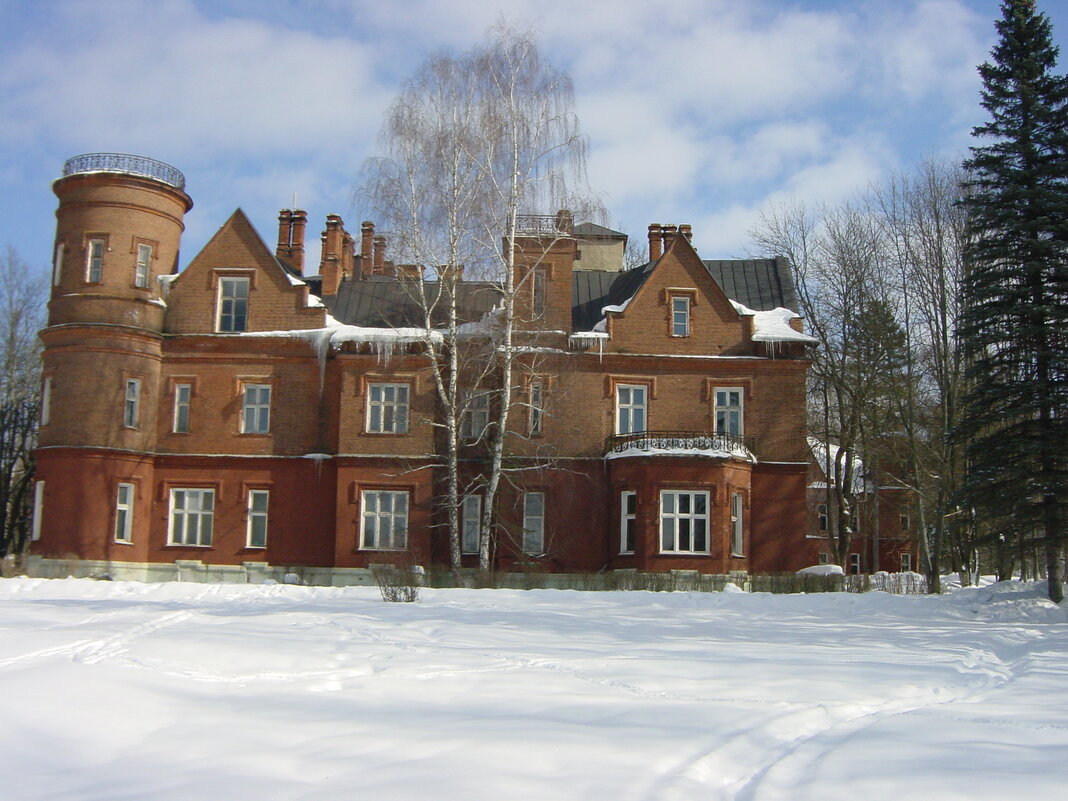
559	224
680	443
125	164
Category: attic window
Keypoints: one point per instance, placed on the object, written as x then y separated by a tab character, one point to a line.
233	305
680	316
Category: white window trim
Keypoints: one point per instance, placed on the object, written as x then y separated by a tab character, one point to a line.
475	418
680	305
57	263
94	265
905	563
255	412
255	515
46	400
470	524
143	266
222	297
124	511
131	405
399	421
823	519
201	514
630	407
181	404
854	563
729	409
691	516
626	518
38	510
534	523
737	525
366	496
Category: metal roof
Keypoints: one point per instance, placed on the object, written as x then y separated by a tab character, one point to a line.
382	301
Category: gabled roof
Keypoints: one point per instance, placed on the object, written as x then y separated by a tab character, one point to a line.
383	301
759	284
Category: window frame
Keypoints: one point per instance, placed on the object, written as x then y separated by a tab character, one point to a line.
905	562
729	410
630	407
94	262
45	415
536	408
628	522
58	255
255	515
201	514
539	285
131	406
823	519
182	405
398	423
904	521
255	411
38	510
684	319
533	543
737	513
124	512
854	564
822	558
470	513
143	265
475	416
239	305
378	514
677	516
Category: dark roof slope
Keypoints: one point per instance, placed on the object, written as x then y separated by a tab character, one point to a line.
385	302
588	229
760	284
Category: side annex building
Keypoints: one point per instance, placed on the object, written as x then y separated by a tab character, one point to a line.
247	418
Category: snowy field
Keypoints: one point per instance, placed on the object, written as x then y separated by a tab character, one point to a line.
179	692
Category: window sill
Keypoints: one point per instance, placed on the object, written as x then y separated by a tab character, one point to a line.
738	556
122	542
386	433
180	545
262	434
684	553
381	550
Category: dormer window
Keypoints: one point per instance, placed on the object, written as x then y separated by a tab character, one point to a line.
680	316
233	305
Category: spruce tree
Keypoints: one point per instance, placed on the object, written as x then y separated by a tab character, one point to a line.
1014	322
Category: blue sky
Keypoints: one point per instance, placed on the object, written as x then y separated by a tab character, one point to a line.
704	112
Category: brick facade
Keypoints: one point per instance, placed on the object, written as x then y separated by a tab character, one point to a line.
226	385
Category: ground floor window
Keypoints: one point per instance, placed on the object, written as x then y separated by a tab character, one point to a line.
823	559
854	563
470	523
384	520
534	522
192	517
737	526
258	502
38	509
628	521
124	513
683	522
906	563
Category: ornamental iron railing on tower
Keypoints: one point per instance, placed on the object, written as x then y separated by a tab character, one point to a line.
126	164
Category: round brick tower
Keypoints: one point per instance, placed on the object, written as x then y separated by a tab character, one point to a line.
119	225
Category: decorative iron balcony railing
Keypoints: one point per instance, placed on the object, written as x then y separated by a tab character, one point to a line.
561	224
126	164
653	442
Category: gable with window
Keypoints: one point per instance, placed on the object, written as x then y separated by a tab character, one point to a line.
680	316
232	305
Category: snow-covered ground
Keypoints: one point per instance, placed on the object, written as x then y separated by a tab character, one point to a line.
179	692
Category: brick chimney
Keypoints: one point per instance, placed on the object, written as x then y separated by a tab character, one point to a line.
367	248
565	222
285	234
687	231
379	263
669	231
330	264
296	241
655	242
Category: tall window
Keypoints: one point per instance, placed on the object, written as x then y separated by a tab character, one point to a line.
628	521
630	408
534	522
46	400
183	394
124	513
387	409
132	404
905	521
854	563
471	523
475	417
680	317
256	409
192	517
537	408
233	305
258	501
38	509
94	261
683	522
821	517
906	562
57	263
538	293
728	412
144	259
385	520
737	526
